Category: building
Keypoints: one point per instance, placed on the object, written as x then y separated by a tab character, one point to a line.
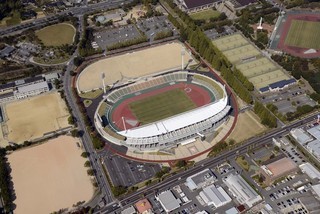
113	16
51	77
200	179
129	210
310	170
168	201
277	169
232	210
316	189
25	91
241	190
143	206
192	6
314	148
217	197
277	86
6	52
311	204
300	136
234	5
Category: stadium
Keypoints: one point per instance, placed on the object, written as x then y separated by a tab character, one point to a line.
162	111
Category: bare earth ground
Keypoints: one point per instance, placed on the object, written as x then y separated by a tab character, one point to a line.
49	177
31	118
132	65
247	126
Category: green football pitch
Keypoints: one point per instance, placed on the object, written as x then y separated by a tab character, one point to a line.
303	34
161	106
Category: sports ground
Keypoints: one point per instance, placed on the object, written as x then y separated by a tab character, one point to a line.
128	66
158	104
259	70
298	33
31	118
56	35
49	177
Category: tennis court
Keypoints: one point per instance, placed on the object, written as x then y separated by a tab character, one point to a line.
230	42
268	78
256	67
241	53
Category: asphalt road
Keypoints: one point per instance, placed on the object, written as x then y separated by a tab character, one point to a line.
207	163
76	11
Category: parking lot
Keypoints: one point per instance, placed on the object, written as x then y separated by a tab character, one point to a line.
154	25
288	99
126	172
115	35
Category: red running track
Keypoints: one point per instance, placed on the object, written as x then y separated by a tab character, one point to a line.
297	51
199	95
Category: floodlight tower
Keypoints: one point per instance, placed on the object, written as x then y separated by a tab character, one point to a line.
183	51
260	24
103	83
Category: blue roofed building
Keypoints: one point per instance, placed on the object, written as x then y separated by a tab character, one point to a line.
277	86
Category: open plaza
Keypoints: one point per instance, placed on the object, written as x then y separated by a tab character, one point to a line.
49	177
119	68
33	117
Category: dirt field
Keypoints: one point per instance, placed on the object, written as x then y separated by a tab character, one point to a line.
247	126
31	118
132	65
49	177
56	35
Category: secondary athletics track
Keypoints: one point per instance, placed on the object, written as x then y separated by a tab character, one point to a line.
296	51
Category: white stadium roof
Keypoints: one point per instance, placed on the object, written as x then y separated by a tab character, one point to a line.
176	122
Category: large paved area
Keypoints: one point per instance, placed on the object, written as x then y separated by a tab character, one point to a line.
31	118
132	65
49	177
259	70
126	172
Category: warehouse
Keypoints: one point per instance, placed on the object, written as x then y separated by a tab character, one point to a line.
200	179
168	201
241	190
217	197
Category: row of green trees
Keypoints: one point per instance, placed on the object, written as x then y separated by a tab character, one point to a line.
265	115
5	182
203	45
128	43
163	34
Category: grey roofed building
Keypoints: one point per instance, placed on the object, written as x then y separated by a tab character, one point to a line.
311	204
7	86
315	132
168	201
200	179
129	210
242	190
310	170
51	76
212	195
232	210
5	52
314	148
300	136
31	90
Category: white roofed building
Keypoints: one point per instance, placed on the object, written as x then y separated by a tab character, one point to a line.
300	136
31	90
217	197
241	190
200	179
168	201
310	170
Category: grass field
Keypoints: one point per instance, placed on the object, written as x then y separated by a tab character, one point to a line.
206	14
161	106
56	35
304	34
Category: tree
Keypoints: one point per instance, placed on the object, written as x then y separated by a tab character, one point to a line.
75	133
84	154
181	163
118	190
77	61
90	172
87	164
72	73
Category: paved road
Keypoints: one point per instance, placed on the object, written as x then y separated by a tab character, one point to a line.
54	18
207	163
